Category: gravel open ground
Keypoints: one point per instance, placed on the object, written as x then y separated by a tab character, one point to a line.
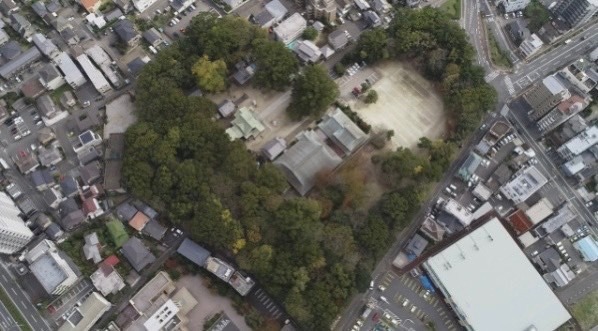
407	103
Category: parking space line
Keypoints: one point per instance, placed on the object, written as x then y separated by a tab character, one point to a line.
447	322
442	313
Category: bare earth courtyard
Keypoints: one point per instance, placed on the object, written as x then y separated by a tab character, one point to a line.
407	103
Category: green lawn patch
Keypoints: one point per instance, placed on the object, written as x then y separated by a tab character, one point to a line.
14	312
117	232
586	311
497	56
452	8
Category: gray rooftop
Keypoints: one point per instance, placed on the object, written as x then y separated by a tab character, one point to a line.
20	62
193	252
342	131
137	254
302	162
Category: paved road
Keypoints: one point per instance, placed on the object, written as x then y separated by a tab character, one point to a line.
7	323
21	300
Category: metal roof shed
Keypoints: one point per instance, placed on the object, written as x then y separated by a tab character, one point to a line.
193	252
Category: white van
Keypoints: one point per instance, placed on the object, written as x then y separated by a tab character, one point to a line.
4	164
153	49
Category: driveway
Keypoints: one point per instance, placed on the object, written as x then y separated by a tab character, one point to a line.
208	304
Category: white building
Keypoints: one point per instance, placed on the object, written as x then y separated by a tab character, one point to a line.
233	3
142	5
45	46
99	56
458	211
84	317
72	74
492	286
14	234
514	5
524	185
531	45
50	268
579	143
94	74
581	74
291	28
540	211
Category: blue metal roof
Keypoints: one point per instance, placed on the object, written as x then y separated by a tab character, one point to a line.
588	248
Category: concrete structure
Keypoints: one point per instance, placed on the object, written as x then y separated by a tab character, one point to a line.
579	144
99	56
14	234
455	209
321	10
50	78
540	211
142	5
526	183
107	280
95	76
520	299
91	249
469	167
342	131
563	216
562	112
545	95
576	12
51	268
83	318
290	29
156	306
482	192
305	160
510	6
219	268
530	45
71	73
581	74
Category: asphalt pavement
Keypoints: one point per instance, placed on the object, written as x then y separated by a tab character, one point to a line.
21	300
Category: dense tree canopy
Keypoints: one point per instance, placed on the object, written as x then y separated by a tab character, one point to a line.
210	75
313	92
275	65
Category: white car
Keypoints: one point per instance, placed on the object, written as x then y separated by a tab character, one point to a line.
381	288
405	303
18	137
413	309
383	299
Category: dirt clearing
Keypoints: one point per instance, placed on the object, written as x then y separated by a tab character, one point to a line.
407	103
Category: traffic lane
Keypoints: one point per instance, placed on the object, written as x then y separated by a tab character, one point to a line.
554	173
7	322
21	301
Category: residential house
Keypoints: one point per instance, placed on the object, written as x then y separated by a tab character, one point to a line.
40	9
263	19
90	173
52	197
277	9
530	46
20	62
42	179
143	5
85	139
61	23
517	32
91	249
147	210
90	206
154	229
49	156
25	161
338	39
126	31
372	18
53	6
138	255
135	66
126	211
67	99
69	186
55	233
83	317
343	132
21	25
69	36
139	221
51	268
245	125
106	279
382	6
305	160
8	7
4	37
153	37
46	106
11	49
194	252
32	88
307	51
50	78
125	5
113	15
71	73
45	46
90	6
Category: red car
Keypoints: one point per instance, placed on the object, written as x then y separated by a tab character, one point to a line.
376	317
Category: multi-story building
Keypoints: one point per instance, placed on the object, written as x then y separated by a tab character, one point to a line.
513	5
545	96
14	234
579	143
576	12
51	268
562	112
581	74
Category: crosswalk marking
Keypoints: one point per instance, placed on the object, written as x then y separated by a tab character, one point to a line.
490	77
509	85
